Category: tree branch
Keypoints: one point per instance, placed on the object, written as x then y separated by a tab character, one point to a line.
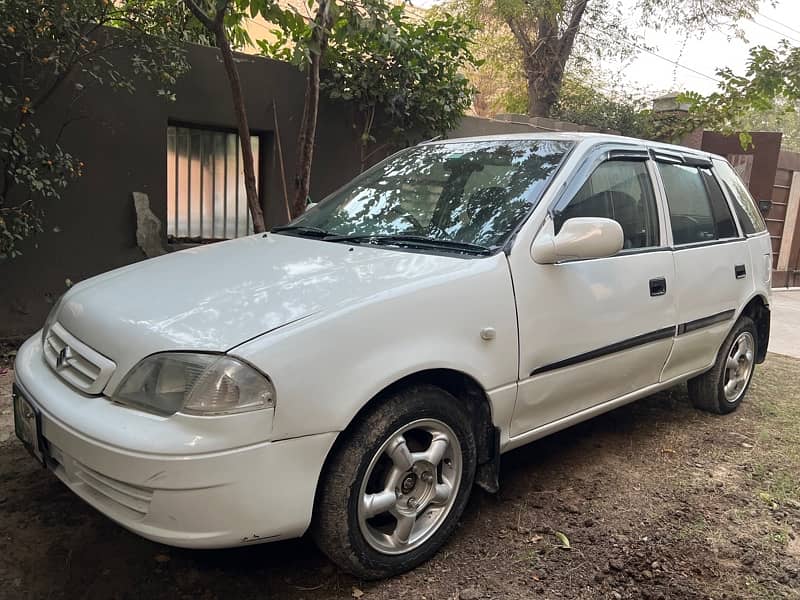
222	8
522	39
201	16
568	37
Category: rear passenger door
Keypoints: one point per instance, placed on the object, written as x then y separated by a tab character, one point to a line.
712	261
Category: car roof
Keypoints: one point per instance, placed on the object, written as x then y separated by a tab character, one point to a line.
580	137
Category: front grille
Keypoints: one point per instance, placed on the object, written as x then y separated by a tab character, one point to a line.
75	362
134	501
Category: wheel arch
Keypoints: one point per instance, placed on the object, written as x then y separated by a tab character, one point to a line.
463	387
757	308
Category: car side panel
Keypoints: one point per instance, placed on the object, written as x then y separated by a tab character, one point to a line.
327	367
709	298
761	259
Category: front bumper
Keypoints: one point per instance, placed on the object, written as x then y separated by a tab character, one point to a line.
226	497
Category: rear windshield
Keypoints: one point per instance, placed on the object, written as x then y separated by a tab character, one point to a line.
469	192
743	204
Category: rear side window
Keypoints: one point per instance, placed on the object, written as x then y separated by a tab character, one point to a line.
698	210
746	211
723	219
622	191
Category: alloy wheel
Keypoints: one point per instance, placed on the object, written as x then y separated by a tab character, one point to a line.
738	366
410	486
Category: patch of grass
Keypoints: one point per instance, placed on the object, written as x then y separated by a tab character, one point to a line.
697	528
760	590
780	537
776	457
767	409
785	486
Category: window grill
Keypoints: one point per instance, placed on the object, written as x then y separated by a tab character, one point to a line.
206	197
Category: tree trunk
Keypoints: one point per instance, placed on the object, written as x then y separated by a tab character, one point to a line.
308	124
539	104
544	87
545	58
244	129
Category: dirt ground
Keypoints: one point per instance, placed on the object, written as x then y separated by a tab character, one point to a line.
656	500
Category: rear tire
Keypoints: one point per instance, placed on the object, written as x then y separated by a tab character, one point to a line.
722	389
397	484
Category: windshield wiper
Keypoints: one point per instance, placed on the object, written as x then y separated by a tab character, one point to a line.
412	240
306	230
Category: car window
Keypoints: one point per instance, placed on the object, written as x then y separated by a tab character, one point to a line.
471	192
690	212
619	190
723	218
743	204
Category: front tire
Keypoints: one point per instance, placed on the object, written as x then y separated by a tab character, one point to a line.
395	487
722	389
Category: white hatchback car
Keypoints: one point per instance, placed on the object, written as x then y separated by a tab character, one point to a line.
357	371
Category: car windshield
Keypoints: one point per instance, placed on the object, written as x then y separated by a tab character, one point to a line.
454	196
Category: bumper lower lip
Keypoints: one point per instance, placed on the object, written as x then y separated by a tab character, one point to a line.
226	497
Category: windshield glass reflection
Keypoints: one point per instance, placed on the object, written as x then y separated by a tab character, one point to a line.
469	192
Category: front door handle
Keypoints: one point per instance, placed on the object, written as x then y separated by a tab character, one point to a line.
658	286
740	271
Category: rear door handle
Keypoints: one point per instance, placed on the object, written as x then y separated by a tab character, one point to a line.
740	271
658	286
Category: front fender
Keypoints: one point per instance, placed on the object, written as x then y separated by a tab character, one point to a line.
327	367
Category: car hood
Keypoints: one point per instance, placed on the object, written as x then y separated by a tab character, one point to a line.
217	296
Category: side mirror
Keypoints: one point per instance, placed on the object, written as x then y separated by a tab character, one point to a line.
580	237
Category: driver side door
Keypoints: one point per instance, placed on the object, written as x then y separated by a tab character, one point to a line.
593	330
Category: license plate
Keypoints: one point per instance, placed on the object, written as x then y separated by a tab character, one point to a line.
28	425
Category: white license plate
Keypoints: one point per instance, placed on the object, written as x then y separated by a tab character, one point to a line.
28	425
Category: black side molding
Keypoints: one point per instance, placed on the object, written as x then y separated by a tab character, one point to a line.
639	340
705	321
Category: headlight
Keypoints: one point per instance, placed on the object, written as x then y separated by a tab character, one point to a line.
51	318
198	384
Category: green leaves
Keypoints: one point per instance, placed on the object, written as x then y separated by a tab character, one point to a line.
386	60
404	69
771	84
53	44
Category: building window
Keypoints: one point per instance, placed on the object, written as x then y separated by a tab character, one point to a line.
206	198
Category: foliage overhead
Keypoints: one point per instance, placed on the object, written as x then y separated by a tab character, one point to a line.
600	104
618	110
405	70
697	16
398	70
784	117
770	84
63	49
557	37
